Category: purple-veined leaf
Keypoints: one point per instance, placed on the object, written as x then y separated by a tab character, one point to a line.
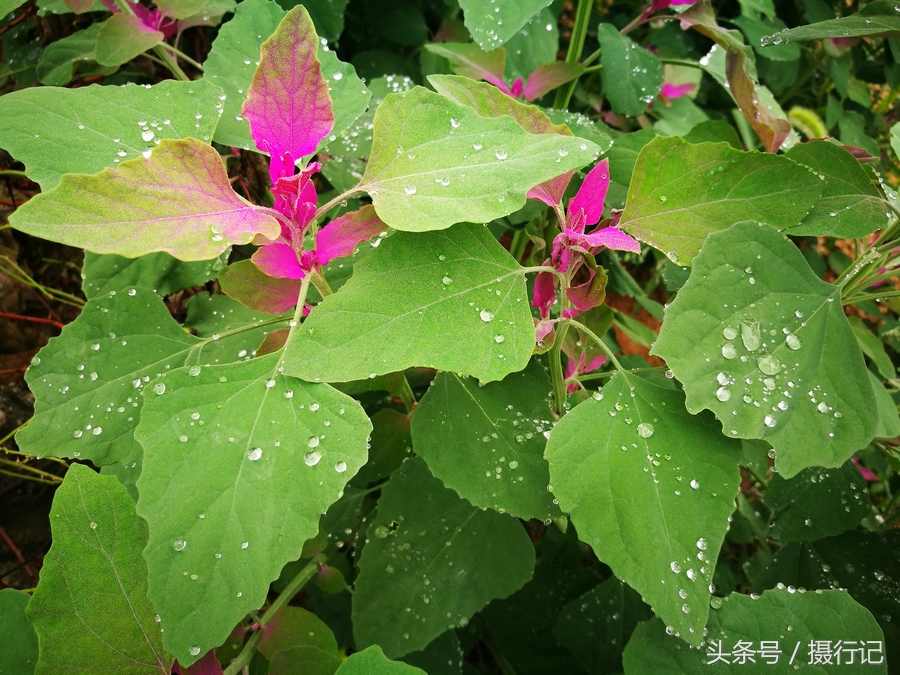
247	284
123	37
591	194
611	237
288	106
177	200
278	260
469	60
551	191
341	236
548	77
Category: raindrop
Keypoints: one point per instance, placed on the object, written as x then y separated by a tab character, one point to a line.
729	333
486	316
822	407
645	430
179	544
695	484
194	650
729	351
254	454
499	338
410	189
701	544
447	281
194	371
340	467
454	123
147	136
500	154
750	335
313	442
768	364
792	341
723	394
245	544
159	389
675	567
311	458
769	421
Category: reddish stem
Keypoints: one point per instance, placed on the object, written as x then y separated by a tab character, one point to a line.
12	547
19	19
32	319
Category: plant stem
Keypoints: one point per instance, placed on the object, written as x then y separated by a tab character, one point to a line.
13	173
297	583
321	284
25	467
406	394
298	314
519	242
861	297
171	64
556	371
321	211
184	57
576	45
600	343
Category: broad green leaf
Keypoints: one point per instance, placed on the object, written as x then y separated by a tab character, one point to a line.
101	126
87	381
492	25
863	563
788	622
757	28
487	443
177	200
850	206
426	549
122	37
583	127
872	347
435	163
490	102
895	139
817	503
239	464
372	661
60	57
877	19
20	650
596	626
91	611
535	44
304	659
757	337
158	272
622	467
442	656
327	15
233	59
681	193
7	6
210	15
244	282
390	446
632	76
714	131
453	300
295	627
181	9
888	418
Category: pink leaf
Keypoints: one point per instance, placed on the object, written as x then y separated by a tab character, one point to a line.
551	192
544	293
288	106
549	76
294	194
278	260
591	195
542	330
516	89
247	284
611	237
589	294
469	60
866	473
677	90
340	236
208	665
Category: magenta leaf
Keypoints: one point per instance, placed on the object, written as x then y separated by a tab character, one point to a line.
589	294
611	237
549	76
544	293
288	106
295	195
677	90
208	665
340	236
278	260
551	192
247	284
590	196
469	60
178	200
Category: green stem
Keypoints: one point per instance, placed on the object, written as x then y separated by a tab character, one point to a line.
406	394
171	64
681	62
13	173
298	315
540	268
298	582
600	343
862	297
519	242
321	285
28	455
556	371
321	211
42	481
184	57
590	59
25	467
576	45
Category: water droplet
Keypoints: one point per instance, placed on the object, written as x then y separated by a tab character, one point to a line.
675	567
454	123
768	365
486	316
77	433
500	154
477	145
270	383
447	281
147	136
381	532
194	650
645	430
729	351
254	454
769	421
179	544
723	394
311	458
340	467
245	544
822	407
729	333
194	371
313	442
499	338
695	484
792	341
97	431
159	389
410	189
750	335
686	608
701	544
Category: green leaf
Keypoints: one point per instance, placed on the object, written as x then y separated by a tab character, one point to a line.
632	76
232	62
181	9
122	37
584	127
87	381
426	548
7	6
91	611
872	347
20	651
681	193
442	656
274	451
533	46
97	123
621	466
888	417
895	139
158	272
453	300
492	25
244	282
756	337
850	206
797	619
714	131
390	446
327	15
877	19
596	626
372	661
756	29
61	56
178	200
435	163
295	627
817	503
305	659
496	433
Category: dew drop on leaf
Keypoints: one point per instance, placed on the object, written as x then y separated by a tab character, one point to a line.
340	467
313	442
486	316
311	458
159	389
792	341
645	430
179	544
194	650
254	454
729	351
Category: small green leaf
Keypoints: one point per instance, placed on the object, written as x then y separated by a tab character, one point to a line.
390	446
533	46
295	627
372	661
178	200
850	206
122	37
492	25
799	620
435	163
234	443
426	547
621	466
91	611
872	347
877	19
20	650
442	656
181	9
101	126
87	381
817	503
681	193
497	435
757	337
453	300
158	272
60	57
303	659
244	282
888	417
632	76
